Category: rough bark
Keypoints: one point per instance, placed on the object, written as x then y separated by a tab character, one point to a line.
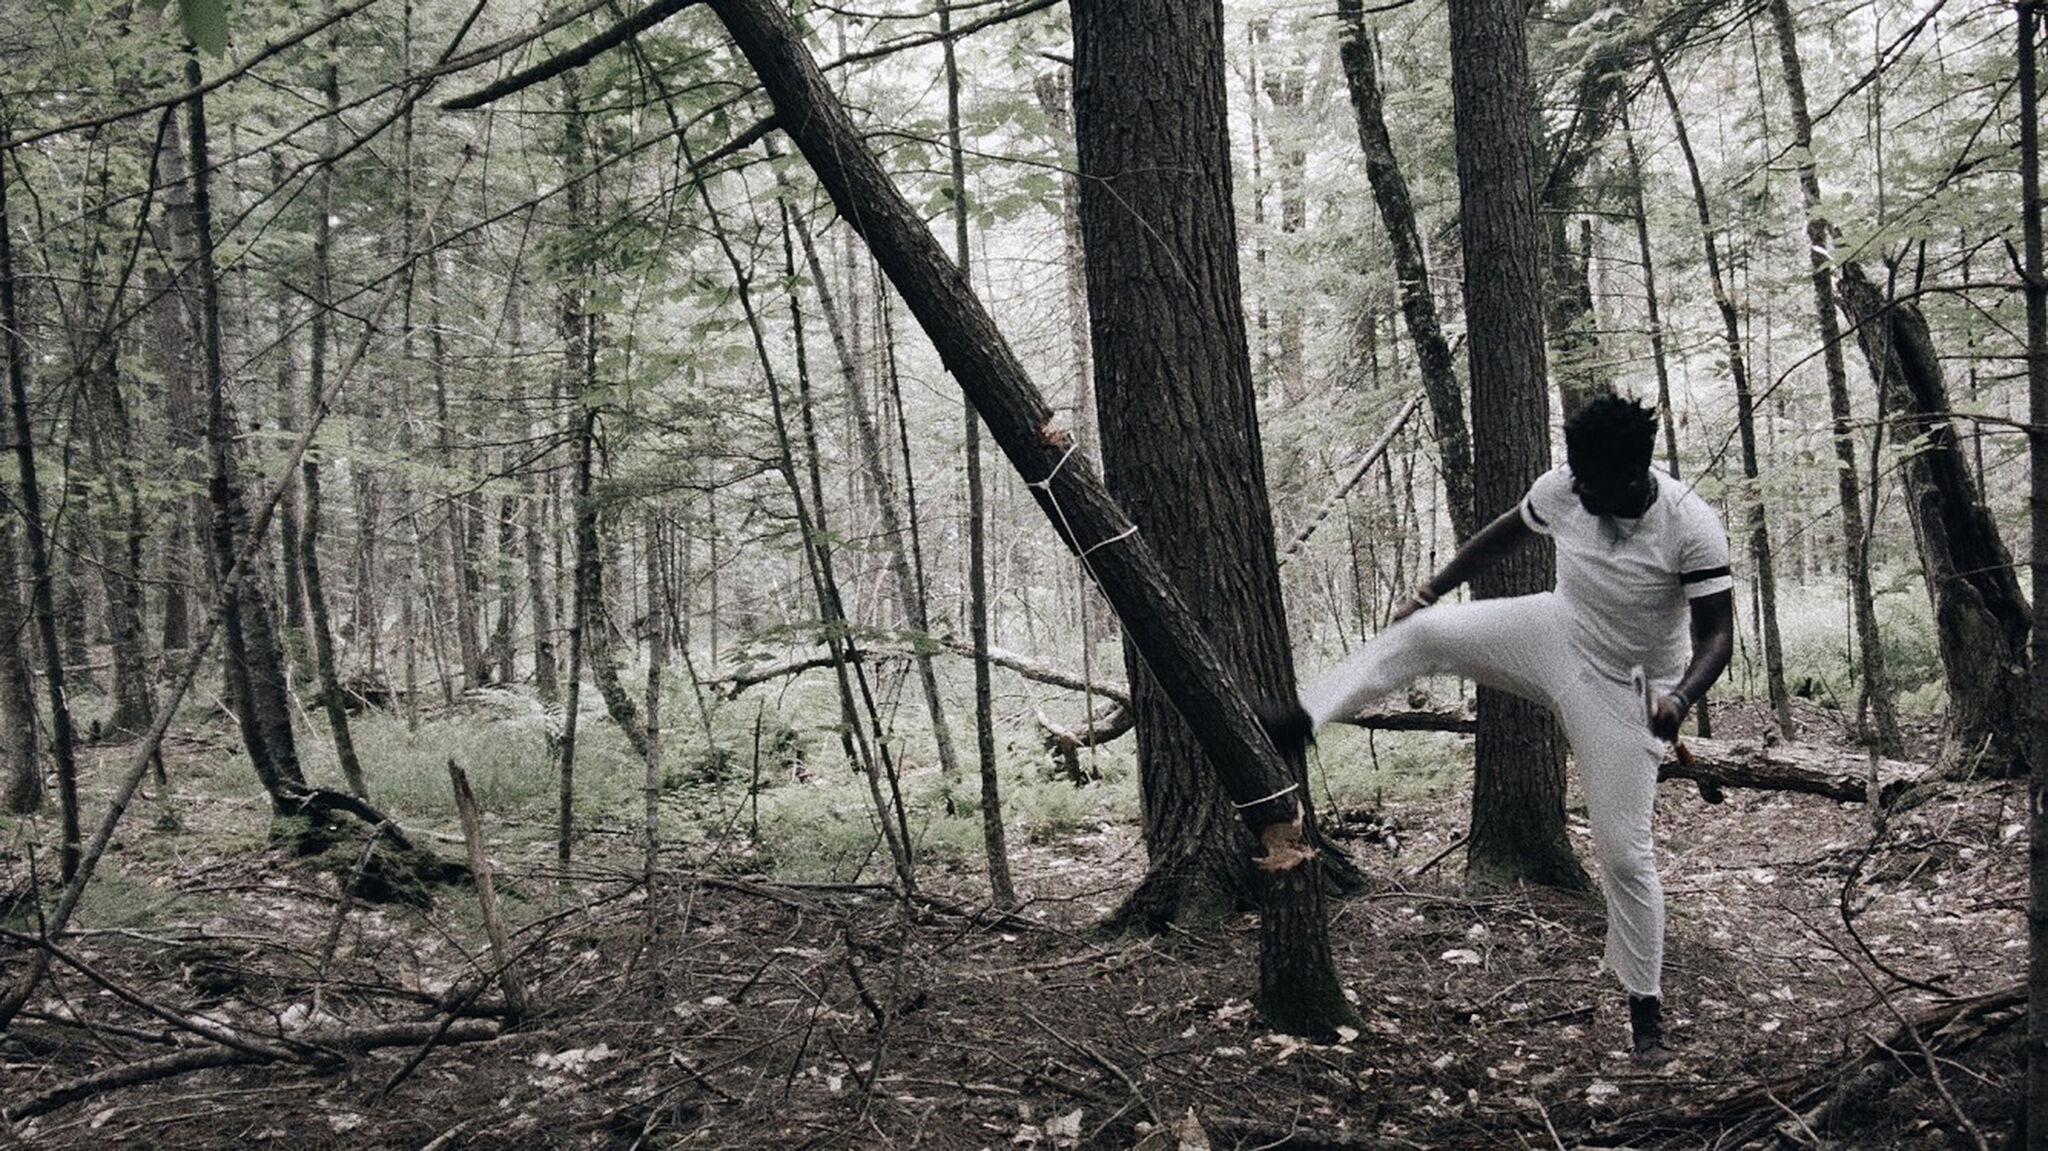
1518	823
1165	630
1981	616
1411	267
1877	682
1180	437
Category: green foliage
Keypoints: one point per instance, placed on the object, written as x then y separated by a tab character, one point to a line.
1818	633
508	755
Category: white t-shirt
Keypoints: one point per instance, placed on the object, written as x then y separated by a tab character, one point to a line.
1628	582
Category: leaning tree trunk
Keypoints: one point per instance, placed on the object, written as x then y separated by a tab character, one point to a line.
43	596
1418	302
1981	616
1518	820
1745	423
1299	981
1877	680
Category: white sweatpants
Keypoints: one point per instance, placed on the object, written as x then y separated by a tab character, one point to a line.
1524	645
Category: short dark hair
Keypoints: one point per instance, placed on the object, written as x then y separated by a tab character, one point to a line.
1611	436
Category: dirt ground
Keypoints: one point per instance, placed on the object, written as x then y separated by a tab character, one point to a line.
759	1014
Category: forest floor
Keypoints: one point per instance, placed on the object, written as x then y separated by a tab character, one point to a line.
766	1014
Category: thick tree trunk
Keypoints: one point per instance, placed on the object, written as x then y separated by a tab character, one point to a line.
1980	614
1180	438
1745	424
1877	682
1418	301
1518	826
1166	631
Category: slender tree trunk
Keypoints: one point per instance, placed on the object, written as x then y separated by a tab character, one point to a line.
1418	301
503	633
584	604
292	606
43	596
1981	616
254	663
994	842
1651	304
533	507
1703	711
332	702
898	537
1518	819
1877	682
21	769
1745	423
2033	1112
119	535
657	662
577	368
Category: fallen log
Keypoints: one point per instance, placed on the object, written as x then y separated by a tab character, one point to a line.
320	1050
1835	773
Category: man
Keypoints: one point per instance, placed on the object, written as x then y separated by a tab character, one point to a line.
1641	561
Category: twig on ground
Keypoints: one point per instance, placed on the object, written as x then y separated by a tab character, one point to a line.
1103	1061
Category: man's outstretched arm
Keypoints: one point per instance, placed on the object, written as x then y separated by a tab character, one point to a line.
1507	532
1713	643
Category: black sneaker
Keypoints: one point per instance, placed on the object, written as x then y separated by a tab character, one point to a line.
1287	724
1650	1048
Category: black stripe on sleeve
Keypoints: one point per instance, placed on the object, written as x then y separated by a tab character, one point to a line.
1529	506
1703	574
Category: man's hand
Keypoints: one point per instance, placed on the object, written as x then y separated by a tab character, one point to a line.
1666	713
1417	600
